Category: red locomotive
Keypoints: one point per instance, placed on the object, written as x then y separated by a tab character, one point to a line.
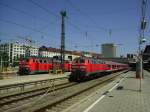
86	68
33	65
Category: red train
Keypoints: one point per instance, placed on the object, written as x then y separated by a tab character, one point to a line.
33	65
87	68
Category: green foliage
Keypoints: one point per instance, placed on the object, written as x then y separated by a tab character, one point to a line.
17	59
4	58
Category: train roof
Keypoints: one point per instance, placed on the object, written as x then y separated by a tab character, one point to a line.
112	63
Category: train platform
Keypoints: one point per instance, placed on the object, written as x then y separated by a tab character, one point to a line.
121	95
15	79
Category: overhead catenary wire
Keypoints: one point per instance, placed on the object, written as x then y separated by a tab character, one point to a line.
91	20
24	12
45	9
86	15
55	15
30	15
21	25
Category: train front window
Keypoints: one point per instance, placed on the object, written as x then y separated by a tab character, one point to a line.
79	61
40	61
109	66
27	60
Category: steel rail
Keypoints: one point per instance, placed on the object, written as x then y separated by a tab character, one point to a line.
52	100
45	108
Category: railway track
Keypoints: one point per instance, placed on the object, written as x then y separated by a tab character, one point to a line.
55	100
75	97
8	101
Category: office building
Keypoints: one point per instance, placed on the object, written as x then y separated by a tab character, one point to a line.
108	50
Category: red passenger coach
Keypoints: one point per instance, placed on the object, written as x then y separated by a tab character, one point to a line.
87	68
114	66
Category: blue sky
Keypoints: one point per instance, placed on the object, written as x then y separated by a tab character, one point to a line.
88	23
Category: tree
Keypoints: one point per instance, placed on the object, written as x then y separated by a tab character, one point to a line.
4	59
16	60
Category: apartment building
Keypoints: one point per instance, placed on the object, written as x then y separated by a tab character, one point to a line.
51	52
17	50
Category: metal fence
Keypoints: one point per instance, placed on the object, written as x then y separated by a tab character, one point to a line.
24	85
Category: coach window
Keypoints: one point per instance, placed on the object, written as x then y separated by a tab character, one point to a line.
27	60
100	61
44	61
36	61
96	62
109	66
87	61
40	61
33	60
82	61
92	61
76	61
